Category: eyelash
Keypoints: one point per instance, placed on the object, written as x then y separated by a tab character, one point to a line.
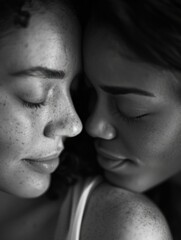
33	105
132	119
125	118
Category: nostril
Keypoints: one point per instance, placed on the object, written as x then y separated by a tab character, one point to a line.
57	128
49	129
69	127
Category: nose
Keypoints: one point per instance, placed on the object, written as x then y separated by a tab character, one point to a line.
99	125
66	123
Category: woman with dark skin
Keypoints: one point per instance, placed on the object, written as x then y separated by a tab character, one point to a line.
132	58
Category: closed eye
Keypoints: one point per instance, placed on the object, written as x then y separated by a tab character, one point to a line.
33	105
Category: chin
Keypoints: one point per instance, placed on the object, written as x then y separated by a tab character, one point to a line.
34	192
29	189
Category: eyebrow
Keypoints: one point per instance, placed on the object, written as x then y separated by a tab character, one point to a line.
42	72
125	90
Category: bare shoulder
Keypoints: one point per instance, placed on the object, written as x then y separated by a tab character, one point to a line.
114	213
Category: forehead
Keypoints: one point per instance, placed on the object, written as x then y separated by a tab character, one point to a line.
109	62
49	36
106	44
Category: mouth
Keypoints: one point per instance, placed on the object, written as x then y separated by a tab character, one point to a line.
111	162
45	165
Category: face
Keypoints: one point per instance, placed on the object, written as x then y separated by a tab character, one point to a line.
136	120
37	66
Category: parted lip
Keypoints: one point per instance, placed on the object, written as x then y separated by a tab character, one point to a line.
104	152
46	158
116	157
110	155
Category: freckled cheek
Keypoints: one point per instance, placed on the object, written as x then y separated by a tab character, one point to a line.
16	136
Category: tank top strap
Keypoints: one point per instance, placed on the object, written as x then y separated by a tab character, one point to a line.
76	219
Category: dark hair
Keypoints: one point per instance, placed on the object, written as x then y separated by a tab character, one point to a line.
17	13
151	29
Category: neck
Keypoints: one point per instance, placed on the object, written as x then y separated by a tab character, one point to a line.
38	217
11	205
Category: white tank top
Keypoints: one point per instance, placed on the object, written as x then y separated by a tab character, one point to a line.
72	211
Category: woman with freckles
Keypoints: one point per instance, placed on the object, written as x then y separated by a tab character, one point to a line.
39	62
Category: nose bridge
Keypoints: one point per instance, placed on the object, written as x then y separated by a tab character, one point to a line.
99	122
72	121
65	121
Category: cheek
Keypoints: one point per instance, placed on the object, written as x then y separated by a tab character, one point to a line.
16	132
157	140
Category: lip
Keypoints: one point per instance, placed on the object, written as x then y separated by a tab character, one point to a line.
48	158
45	165
109	155
109	161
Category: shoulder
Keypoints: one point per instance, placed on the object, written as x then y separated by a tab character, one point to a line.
114	213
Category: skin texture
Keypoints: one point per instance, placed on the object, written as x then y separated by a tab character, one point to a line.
28	130
144	130
114	213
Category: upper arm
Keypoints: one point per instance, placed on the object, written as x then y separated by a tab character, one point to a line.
116	214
